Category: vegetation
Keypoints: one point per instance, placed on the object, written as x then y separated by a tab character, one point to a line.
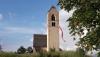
29	53
11	54
98	54
86	17
21	50
0	48
77	53
29	50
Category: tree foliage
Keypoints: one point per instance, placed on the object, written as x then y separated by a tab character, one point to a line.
21	50
0	48
29	50
86	17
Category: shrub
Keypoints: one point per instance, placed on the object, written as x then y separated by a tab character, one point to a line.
98	54
21	50
29	50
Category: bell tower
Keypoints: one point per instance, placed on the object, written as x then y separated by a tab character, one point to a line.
53	29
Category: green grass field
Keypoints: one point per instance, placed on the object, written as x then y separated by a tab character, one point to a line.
45	54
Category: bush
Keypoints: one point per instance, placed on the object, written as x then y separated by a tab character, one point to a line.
21	50
98	54
29	50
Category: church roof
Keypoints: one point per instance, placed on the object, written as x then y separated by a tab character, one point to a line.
52	7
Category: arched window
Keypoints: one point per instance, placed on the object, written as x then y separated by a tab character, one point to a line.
53	17
53	24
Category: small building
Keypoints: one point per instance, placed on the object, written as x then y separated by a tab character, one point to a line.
40	42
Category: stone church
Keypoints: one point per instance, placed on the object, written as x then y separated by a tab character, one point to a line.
51	40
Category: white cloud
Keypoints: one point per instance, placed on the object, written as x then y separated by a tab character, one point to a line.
69	44
22	30
19	30
1	16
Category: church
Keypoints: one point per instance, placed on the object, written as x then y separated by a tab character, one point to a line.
51	40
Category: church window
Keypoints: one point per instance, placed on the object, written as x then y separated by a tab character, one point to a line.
53	24
53	17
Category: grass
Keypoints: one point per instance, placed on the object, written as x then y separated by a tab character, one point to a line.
45	54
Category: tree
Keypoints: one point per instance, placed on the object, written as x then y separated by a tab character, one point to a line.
29	50
79	50
0	48
86	17
98	54
21	50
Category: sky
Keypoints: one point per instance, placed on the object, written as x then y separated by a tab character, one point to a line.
20	19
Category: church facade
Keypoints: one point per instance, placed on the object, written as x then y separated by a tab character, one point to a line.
51	40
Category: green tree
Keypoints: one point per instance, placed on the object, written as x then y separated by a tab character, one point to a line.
98	54
80	51
0	48
86	17
29	50
21	50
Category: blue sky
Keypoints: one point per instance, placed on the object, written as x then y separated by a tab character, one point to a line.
20	19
